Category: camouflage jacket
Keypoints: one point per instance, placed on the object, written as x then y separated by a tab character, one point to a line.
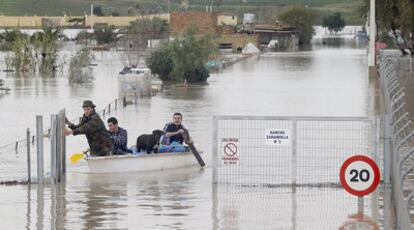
98	137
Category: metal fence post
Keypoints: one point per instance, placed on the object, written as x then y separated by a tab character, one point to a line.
58	133
60	146
387	150
63	142
214	149
294	155
375	141
53	148
39	148
28	155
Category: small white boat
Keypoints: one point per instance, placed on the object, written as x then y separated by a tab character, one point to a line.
141	162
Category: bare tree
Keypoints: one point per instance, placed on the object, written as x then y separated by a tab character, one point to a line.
135	41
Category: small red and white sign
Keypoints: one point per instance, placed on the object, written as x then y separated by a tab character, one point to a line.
230	151
359	175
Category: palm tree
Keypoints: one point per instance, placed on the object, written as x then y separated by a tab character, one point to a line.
23	60
45	45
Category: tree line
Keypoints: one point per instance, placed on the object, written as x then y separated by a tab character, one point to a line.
395	18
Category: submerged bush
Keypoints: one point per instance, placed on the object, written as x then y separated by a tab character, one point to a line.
160	62
184	58
79	69
197	75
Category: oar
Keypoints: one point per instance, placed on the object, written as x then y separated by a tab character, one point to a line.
77	156
186	136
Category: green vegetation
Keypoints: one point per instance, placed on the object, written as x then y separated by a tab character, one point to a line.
161	62
23	59
104	36
396	16
132	7
184	58
7	38
154	28
97	10
45	48
139	32
190	53
387	39
115	13
334	22
35	53
302	19
79	70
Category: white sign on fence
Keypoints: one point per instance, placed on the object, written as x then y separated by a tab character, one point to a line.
230	151
277	137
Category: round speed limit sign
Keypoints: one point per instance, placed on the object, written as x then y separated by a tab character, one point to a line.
359	175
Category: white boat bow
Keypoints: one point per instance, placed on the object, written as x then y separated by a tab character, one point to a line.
141	162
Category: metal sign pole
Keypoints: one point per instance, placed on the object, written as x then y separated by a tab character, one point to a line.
360	205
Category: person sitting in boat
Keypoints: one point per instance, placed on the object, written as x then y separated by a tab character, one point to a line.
174	131
119	137
92	126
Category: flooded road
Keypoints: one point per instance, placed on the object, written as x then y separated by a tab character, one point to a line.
324	81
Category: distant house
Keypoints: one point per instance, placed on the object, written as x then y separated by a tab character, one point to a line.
279	36
226	19
282	37
204	21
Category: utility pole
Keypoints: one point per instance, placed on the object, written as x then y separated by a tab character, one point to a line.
372	35
91	16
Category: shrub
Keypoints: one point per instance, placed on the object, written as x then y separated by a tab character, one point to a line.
160	62
79	70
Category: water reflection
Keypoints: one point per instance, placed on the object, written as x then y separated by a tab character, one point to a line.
185	93
58	209
34	86
333	42
137	199
104	202
40	207
81	89
288	62
284	208
29	209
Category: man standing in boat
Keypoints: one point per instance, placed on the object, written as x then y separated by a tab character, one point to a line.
174	131
93	128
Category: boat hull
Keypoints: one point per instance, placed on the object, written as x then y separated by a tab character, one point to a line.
140	162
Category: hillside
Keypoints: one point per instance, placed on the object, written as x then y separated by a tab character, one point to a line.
263	7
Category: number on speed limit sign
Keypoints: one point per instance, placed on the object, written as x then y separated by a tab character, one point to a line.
359	175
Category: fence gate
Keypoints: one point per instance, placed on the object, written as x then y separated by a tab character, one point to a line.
285	151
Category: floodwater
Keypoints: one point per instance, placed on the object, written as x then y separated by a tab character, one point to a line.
327	80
